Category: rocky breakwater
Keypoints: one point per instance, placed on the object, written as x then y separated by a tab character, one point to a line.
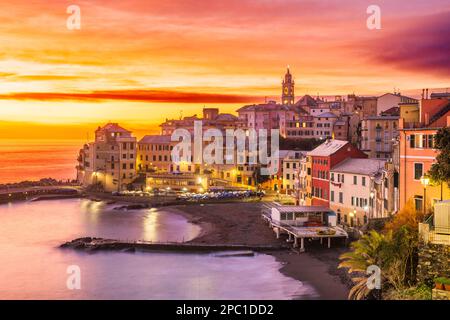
94	244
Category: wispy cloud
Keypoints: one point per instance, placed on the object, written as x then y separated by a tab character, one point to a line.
133	95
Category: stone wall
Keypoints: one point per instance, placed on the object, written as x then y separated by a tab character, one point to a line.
434	261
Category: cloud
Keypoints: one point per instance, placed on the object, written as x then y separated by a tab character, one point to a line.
423	46
134	95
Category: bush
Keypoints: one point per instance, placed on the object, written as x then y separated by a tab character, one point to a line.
413	293
442	280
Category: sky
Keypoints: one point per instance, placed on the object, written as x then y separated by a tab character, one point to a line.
140	62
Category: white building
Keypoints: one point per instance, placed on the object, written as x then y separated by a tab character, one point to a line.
353	190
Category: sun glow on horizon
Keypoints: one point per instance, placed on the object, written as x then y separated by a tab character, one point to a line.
140	62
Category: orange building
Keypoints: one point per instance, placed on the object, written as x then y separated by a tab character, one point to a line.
417	154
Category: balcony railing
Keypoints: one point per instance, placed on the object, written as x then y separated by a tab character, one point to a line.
435	235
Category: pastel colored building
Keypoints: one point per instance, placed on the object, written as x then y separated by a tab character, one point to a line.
378	134
323	158
417	154
354	186
391	100
110	160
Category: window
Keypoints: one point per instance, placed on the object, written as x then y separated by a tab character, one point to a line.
418	171
341	197
353	201
430	144
131	166
124	146
355	180
332	196
363	182
124	156
412	139
287	165
418	203
124	166
332	176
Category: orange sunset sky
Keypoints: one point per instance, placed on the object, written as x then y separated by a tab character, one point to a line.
139	62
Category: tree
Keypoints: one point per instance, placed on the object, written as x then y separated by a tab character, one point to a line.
394	251
440	171
365	252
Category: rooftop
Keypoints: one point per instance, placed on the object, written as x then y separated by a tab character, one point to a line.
301	208
360	166
382	118
114	127
328	148
155	139
326	115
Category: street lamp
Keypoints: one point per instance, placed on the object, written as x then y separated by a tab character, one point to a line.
424	180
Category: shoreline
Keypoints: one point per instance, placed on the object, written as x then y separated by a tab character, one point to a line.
316	267
240	223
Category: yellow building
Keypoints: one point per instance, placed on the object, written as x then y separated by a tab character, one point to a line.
409	112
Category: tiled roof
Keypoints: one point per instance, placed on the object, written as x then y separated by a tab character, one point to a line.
114	127
306	100
226	117
155	139
328	148
326	115
360	166
382	118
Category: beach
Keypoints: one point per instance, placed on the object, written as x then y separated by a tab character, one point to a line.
241	223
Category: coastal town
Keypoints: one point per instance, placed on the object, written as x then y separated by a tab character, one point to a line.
345	165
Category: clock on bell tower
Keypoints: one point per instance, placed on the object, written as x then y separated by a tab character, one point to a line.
287	96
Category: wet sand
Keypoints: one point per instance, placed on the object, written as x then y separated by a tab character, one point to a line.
241	223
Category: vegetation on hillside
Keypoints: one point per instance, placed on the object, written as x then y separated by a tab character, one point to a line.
394	250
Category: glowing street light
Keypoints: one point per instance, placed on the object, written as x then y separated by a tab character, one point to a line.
425	181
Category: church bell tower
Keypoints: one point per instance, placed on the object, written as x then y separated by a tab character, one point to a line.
287	96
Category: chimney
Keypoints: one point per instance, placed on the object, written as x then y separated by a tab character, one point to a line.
423	93
426	94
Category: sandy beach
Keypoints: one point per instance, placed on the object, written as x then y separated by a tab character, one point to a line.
241	223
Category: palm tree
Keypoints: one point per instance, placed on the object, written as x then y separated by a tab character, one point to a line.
365	252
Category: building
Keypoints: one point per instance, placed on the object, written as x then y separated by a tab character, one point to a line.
378	134
211	119
110	160
154	153
290	169
323	158
287	94
355	185
416	154
304	181
390	100
409	112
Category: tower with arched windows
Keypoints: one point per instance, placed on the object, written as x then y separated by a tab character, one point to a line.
287	95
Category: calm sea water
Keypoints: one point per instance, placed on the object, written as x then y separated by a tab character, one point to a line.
35	159
33	267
